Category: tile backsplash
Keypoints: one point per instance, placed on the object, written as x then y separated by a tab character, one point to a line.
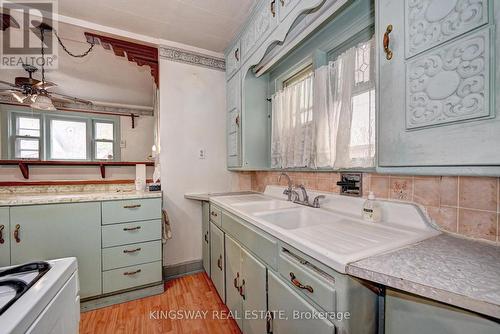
465	205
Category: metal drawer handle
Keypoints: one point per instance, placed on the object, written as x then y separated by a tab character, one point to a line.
219	262
132	228
237	120
273	8
129	273
128	251
16	233
242	290
206	237
236	279
237	54
1	234
214	214
133	206
387	41
299	285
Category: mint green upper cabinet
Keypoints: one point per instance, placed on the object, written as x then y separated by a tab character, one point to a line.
436	93
4	237
205	235
61	230
283	299
259	27
285	7
233	58
234	121
217	260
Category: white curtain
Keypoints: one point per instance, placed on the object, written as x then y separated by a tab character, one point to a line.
338	130
292	125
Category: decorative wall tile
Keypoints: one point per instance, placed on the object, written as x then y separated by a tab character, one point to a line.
448	190
479	193
446	217
478	224
426	190
401	189
380	186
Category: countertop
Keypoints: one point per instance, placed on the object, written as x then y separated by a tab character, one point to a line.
70	197
205	197
446	268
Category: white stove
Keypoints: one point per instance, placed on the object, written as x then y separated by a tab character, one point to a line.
40	297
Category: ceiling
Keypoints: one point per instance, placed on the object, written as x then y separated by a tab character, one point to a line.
206	24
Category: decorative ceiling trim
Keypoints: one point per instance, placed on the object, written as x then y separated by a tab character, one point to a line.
193	58
137	53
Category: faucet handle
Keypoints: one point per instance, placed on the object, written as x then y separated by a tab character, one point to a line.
316	200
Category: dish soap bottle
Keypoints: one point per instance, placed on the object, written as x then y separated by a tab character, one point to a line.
371	209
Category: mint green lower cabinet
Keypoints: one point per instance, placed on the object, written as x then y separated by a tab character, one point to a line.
131	277
61	230
217	259
409	314
253	283
282	298
205	231
234	301
130	255
129	233
4	237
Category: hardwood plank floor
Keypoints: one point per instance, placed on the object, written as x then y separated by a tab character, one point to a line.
194	293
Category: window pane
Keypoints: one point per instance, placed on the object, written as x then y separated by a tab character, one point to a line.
362	143
27	148
104	131
28	126
68	139
103	150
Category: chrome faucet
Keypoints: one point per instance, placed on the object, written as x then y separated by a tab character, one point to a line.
288	191
305	197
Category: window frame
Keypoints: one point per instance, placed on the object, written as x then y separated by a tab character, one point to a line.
10	115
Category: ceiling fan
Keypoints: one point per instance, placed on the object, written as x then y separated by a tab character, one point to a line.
37	91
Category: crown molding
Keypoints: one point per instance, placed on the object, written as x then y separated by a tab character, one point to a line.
192	58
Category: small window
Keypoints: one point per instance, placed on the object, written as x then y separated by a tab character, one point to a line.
104	136
299	76
27	137
68	140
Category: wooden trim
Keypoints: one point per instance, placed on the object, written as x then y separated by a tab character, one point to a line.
65	183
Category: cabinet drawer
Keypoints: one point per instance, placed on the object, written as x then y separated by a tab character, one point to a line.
215	215
316	284
130	255
129	233
130	277
265	247
130	210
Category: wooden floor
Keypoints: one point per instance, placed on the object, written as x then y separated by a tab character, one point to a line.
190	293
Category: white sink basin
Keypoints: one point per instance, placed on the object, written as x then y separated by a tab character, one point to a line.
297	218
256	206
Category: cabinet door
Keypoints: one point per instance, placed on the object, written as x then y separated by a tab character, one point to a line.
259	27
443	113
286	6
283	298
217	259
4	237
234	277
233	60
205	238
254	293
234	121
61	230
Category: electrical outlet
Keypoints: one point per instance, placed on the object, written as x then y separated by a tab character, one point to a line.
202	153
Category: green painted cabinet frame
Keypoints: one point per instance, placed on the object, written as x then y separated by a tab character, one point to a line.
5	237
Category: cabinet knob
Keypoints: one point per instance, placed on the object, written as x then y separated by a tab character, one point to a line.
387	42
133	206
128	229
273	8
237	120
237	54
236	281
2	227
206	237
282	3
214	213
299	285
219	262
16	233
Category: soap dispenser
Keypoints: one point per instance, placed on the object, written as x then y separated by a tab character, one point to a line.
372	211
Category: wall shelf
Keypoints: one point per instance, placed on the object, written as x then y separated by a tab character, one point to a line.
24	164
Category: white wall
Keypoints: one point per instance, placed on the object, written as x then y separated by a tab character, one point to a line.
139	140
192	117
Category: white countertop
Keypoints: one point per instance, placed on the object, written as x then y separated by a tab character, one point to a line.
71	197
340	236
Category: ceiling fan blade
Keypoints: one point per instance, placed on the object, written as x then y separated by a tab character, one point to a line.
8	84
70	98
46	85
